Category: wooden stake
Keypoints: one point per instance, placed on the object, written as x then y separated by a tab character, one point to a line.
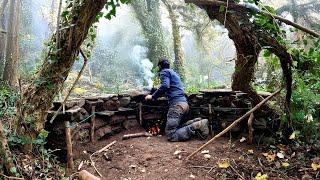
93	124
140	113
250	128
234	123
210	119
70	164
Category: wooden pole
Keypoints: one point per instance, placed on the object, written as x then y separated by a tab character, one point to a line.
93	124
73	85
234	123
240	6
70	164
250	128
140	113
210	119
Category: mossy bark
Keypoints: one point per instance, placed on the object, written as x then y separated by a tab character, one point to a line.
5	153
249	41
178	63
38	96
148	14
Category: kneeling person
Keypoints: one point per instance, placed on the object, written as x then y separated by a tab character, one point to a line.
178	106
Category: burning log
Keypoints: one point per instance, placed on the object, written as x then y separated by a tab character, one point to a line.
136	135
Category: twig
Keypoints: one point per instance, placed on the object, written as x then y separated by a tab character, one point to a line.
260	162
241	177
70	177
99	151
73	85
235	123
206	167
10	177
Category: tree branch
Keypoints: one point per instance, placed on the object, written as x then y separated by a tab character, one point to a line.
236	7
73	85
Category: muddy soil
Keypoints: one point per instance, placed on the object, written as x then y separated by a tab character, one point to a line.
156	158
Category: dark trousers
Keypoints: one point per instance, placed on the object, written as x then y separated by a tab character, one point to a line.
174	131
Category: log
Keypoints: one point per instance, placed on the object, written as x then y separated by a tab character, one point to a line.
250	128
70	164
5	152
235	123
85	175
93	122
136	135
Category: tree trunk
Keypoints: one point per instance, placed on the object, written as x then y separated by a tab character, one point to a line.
249	41
12	53
148	14
178	53
38	96
2	35
247	52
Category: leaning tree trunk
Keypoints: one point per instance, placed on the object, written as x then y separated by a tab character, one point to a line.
38	96
178	53
148	14
249	40
247	48
2	35
12	54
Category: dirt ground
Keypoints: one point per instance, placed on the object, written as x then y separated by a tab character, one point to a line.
156	158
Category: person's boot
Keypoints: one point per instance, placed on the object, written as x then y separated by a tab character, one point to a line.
201	127
191	121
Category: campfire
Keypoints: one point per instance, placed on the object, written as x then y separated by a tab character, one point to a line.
154	130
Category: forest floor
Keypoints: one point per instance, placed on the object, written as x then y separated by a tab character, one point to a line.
156	158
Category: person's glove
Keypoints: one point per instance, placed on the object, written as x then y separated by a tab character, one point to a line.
148	97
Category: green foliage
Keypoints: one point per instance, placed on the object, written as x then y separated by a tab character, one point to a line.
8	98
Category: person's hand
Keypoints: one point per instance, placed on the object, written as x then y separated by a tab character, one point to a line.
148	97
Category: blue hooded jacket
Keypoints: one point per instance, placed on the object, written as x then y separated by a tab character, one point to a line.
171	85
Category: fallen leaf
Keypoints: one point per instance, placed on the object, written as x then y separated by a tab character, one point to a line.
241	158
260	176
205	152
242	139
285	164
269	157
207	156
280	155
192	176
250	151
224	164
293	135
177	152
315	166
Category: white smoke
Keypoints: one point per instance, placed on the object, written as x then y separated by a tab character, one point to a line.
138	56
